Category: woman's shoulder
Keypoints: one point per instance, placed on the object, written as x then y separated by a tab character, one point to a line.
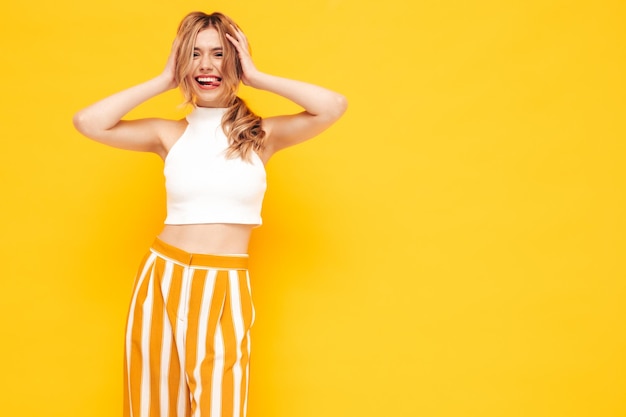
170	124
170	130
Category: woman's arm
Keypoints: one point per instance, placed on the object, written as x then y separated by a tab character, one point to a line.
322	107
102	120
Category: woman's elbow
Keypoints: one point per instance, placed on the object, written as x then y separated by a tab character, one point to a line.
340	105
84	124
79	121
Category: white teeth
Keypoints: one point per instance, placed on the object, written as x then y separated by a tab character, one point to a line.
207	79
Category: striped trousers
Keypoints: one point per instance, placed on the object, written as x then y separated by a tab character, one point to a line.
188	336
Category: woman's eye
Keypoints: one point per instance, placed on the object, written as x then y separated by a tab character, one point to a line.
195	54
219	54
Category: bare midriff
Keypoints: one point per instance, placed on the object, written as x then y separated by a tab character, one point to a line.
216	239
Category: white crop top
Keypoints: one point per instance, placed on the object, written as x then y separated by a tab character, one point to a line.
203	185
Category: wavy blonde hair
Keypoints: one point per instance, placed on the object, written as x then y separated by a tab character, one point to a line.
241	126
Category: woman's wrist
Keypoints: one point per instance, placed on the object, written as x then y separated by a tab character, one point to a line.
256	80
165	82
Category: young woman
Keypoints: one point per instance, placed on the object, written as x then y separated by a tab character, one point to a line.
187	339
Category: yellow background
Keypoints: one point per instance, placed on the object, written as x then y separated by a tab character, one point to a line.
454	246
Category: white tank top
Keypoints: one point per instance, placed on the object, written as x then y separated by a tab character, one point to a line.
203	185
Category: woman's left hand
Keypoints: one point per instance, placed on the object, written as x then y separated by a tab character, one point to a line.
240	43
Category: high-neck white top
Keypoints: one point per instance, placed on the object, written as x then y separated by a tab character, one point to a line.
203	185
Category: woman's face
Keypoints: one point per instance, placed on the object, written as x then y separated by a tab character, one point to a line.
206	66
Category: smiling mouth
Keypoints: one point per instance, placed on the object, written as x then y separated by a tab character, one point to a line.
207	81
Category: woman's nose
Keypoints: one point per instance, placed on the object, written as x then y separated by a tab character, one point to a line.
206	63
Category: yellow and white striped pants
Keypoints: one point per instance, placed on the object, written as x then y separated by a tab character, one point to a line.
188	336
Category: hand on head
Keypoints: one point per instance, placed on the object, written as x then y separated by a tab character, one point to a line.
240	42
169	72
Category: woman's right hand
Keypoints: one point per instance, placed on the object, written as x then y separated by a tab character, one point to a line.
169	72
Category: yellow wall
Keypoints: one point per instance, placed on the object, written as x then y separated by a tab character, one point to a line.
454	246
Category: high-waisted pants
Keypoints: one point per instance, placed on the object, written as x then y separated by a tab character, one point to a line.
187	337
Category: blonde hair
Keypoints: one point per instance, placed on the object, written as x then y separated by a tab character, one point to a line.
241	126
